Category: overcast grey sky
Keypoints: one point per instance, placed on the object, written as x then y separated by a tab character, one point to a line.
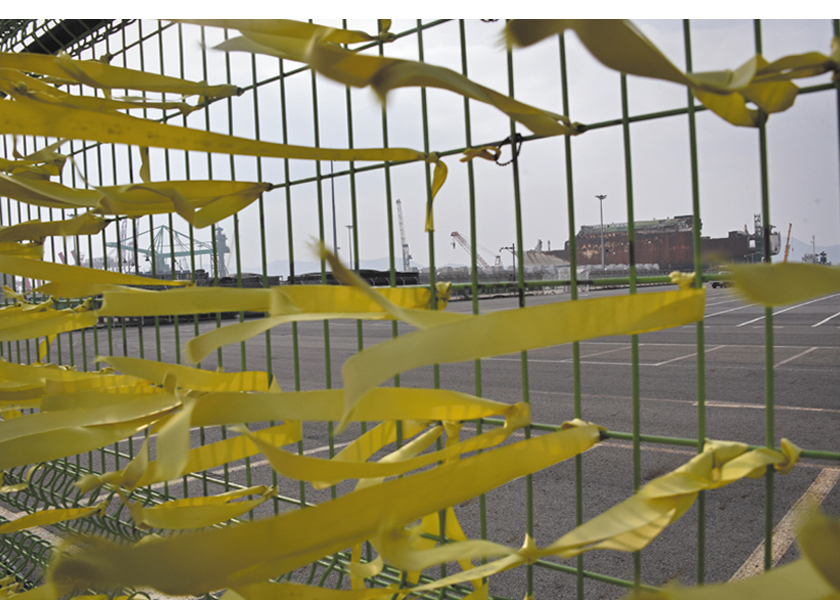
802	142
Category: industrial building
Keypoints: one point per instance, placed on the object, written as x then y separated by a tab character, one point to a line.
668	243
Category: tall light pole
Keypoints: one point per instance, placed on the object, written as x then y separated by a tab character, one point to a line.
603	262
335	234
350	244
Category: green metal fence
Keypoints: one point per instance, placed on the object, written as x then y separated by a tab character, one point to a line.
284	102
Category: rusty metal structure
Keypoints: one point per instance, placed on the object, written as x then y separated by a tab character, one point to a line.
669	244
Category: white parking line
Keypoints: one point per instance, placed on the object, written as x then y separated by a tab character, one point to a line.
708	304
530	360
784	310
762	407
593	362
665	362
709	403
569	360
826	320
723	312
604	352
787	360
784	532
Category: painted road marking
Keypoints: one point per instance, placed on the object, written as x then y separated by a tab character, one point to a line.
787	360
709	403
665	362
569	360
692	402
708	304
826	320
785	532
763	407
784	310
723	312
600	353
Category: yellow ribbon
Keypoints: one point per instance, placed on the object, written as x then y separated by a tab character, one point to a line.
11	391
329	472
200	203
381	404
88	399
812	577
385	74
37	374
632	524
83	411
491	153
46	436
54	272
272	591
784	283
50	517
46	323
33	251
84	224
276	301
42	167
106	77
200	511
628	526
141	472
510	331
188	377
248	553
295	29
621	46
30	117
17	84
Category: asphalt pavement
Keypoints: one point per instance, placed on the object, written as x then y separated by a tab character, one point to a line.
805	380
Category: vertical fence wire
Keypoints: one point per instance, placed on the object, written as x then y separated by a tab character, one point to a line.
573	292
700	326
634	339
769	382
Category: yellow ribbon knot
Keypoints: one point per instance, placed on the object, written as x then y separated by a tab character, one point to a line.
491	153
685	281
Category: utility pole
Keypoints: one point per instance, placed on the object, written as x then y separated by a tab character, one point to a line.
335	230
350	244
603	262
512	249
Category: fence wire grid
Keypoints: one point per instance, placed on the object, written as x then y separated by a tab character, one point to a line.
372	214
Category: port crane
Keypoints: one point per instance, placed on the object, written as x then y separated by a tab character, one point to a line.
787	244
465	244
163	252
406	255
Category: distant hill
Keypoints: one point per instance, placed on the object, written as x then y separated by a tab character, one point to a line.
798	248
